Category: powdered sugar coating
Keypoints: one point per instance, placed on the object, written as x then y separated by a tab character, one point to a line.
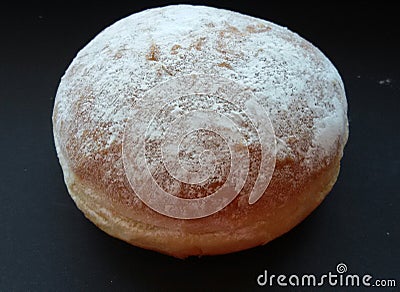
297	85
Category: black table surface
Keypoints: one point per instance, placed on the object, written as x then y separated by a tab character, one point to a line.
46	242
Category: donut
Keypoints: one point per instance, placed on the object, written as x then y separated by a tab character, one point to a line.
192	130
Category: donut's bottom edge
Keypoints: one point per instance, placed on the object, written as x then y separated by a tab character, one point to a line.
182	244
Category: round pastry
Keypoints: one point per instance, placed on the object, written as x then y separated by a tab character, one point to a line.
192	130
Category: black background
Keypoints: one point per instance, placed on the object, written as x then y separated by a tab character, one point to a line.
47	244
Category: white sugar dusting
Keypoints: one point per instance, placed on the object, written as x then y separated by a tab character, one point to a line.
386	81
295	83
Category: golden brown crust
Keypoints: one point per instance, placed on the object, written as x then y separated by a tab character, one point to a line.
181	244
298	86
